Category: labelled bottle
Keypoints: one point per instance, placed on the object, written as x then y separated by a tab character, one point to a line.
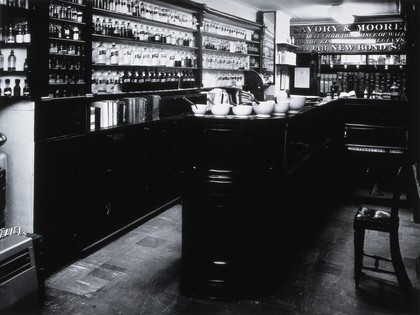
94	83
117	82
7	88
101	54
76	33
109	83
16	88
114	55
19	34
11	61
101	82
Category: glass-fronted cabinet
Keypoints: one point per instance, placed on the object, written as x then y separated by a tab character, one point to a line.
368	75
230	46
268	47
15	39
148	47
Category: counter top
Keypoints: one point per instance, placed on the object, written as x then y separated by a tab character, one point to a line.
308	106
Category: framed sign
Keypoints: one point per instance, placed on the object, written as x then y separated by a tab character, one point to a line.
302	77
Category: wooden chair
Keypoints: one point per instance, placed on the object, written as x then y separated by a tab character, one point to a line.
383	221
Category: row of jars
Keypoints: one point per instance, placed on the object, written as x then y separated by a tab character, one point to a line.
64	31
220	61
105	54
144	80
268	52
63	49
268	64
214	43
223	29
148	11
125	29
65	78
15	33
63	12
9	63
17	90
63	63
66	90
14	3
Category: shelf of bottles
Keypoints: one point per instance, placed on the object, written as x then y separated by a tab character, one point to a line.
227	51
369	76
66	60
14	41
268	55
139	46
286	53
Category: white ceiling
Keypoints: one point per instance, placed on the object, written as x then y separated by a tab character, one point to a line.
307	10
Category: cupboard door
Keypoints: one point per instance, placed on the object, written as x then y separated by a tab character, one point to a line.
161	152
60	197
113	183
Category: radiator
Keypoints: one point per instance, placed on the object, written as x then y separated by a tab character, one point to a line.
18	275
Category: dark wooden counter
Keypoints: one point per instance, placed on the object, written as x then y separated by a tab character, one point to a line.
245	181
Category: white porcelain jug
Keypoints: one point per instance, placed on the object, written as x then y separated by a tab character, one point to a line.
218	97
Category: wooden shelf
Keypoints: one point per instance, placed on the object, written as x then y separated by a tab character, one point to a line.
123	40
142	20
120	67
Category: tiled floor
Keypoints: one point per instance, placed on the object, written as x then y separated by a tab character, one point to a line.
140	273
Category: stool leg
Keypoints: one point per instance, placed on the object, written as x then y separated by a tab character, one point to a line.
398	263
359	239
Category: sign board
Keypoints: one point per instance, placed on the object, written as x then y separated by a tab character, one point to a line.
378	37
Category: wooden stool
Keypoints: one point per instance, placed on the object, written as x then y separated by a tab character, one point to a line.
383	221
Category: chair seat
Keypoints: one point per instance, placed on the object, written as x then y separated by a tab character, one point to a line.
372	219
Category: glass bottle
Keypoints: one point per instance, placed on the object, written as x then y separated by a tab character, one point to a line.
74	14
136	33
1	61
114	52
157	36
62	13
26	34
97	26
26	91
117	83
79	16
116	29
76	33
101	51
94	83
11	61
142	36
16	88
101	82
19	34
142	10
7	88
109	83
10	38
395	95
137	57
25	65
123	29
129	30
